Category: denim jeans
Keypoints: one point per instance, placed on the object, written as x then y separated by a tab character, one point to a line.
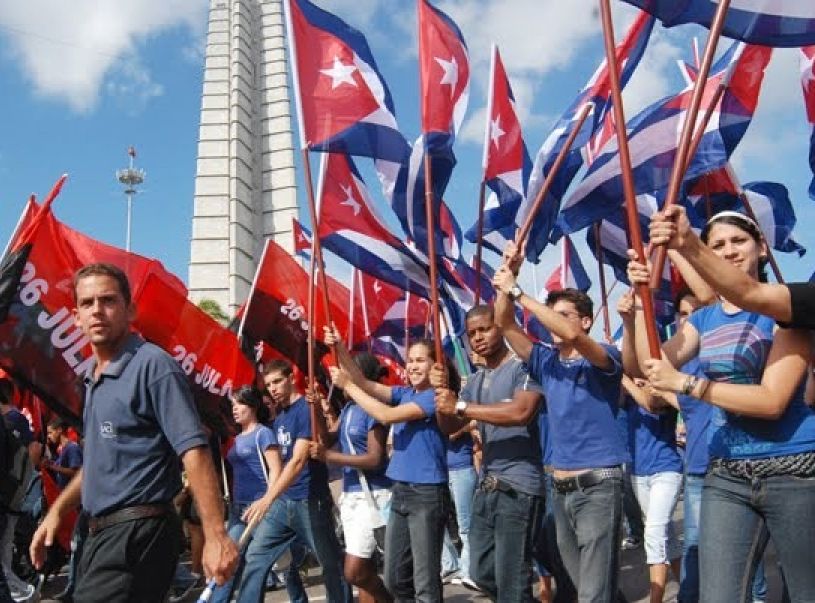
501	540
235	528
413	541
588	523
657	495
689	580
546	552
5	593
462	486
738	517
310	521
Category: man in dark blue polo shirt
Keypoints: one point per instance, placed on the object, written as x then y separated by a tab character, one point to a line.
297	504
139	417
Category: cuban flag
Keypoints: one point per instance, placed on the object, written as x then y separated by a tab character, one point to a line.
770	202
444	77
780	23
614	241
350	228
808	85
408	201
506	162
302	240
597	93
654	136
345	104
570	274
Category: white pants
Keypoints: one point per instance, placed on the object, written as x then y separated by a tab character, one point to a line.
657	495
358	521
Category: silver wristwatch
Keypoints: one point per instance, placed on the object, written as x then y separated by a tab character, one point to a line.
515	292
461	406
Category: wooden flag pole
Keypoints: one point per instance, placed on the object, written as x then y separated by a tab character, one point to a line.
431	256
523	232
688	126
603	291
628	180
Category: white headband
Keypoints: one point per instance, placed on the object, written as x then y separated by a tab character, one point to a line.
734	214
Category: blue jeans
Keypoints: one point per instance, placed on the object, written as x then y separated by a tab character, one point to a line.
413	541
5	593
235	528
689	580
588	523
501	541
546	553
738	517
310	521
462	486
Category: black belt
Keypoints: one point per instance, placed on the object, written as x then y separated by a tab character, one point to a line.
97	524
491	483
586	479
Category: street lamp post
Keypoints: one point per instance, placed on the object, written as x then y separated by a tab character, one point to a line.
131	177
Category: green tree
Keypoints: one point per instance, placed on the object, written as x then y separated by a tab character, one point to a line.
213	308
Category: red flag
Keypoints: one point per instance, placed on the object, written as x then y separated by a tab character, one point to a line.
41	346
276	310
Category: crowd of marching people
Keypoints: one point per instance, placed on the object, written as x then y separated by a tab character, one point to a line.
516	482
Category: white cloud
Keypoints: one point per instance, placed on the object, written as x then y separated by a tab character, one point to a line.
68	50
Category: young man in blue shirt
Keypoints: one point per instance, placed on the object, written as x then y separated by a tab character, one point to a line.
581	383
297	504
139	417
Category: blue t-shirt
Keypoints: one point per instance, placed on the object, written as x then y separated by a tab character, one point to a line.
696	415
356	423
291	424
653	441
733	348
248	468
419	447
546	442
19	426
69	457
582	405
623	431
460	452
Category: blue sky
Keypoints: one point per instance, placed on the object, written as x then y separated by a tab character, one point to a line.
82	81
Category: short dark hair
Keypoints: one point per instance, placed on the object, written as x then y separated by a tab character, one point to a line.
683	292
251	397
58	423
480	310
370	366
104	269
582	302
278	365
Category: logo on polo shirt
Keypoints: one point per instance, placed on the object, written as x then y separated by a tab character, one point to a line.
283	439
107	430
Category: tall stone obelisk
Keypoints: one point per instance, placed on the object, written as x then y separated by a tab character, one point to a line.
245	187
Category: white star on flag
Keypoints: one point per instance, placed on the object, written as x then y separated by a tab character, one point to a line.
340	73
495	130
350	201
450	73
377	286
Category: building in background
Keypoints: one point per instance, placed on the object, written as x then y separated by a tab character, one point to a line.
245	185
